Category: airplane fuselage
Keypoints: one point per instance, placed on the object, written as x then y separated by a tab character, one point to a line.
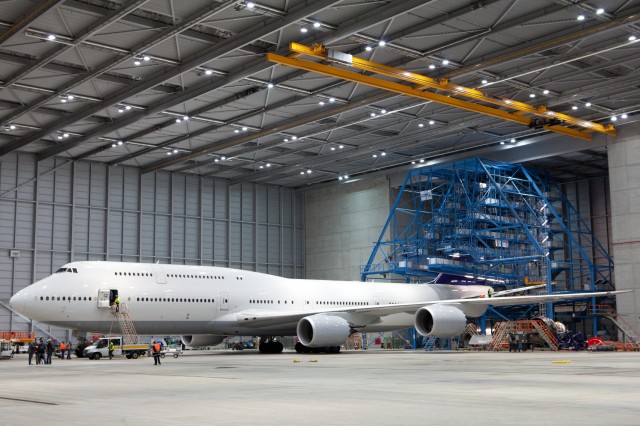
178	299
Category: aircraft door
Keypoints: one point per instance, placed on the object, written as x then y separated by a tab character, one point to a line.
103	299
224	301
161	276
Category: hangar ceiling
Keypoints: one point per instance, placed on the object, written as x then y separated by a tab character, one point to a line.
185	86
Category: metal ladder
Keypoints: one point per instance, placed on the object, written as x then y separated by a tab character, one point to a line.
129	334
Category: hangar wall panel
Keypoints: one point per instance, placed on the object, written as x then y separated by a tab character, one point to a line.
343	223
624	175
58	211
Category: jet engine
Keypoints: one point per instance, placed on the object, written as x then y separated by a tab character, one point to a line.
198	340
440	321
322	330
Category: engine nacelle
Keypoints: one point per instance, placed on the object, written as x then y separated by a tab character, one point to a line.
323	330
202	340
440	321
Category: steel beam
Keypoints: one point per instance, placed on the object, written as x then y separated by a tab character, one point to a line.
410	91
26	19
319	51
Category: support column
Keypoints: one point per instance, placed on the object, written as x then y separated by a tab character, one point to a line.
624	178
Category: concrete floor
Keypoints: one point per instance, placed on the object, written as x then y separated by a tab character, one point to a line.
355	387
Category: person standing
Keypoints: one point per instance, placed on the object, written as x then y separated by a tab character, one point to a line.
156	353
40	349
69	350
111	348
31	350
49	351
117	303
63	349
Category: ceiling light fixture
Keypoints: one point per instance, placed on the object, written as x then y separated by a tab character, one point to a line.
581	17
236	131
332	99
51	37
632	38
293	138
375	155
545	91
303	30
513	140
146	58
431	122
120	142
368	48
244	129
600	11
136	62
501	142
422	160
270	86
373	114
127	107
383	111
321	103
340	146
420	125
383	153
614	118
532	95
588	104
382	43
624	115
250	5
445	62
316	25
432	67
309	171
208	72
485	81
575	107
120	110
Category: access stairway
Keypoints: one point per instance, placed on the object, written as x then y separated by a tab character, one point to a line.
503	331
129	334
630	334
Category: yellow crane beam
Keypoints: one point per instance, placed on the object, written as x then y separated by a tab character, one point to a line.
414	92
319	51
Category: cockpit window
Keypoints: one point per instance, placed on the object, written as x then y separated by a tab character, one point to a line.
72	270
61	270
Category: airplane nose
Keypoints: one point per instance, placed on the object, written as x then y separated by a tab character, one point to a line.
19	303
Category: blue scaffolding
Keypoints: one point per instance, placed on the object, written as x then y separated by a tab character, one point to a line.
488	222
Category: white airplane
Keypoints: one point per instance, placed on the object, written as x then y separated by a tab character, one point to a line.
205	304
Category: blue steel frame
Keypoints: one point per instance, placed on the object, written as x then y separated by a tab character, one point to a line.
489	222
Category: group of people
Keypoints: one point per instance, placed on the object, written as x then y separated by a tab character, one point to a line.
44	351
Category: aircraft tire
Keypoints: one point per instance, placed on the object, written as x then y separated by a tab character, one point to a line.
299	347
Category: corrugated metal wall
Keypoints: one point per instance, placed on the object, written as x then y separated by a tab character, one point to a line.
58	211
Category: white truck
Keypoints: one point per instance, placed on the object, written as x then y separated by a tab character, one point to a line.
100	348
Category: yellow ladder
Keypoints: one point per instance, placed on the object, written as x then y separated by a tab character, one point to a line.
129	334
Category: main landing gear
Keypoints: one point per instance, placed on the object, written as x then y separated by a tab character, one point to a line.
302	349
270	346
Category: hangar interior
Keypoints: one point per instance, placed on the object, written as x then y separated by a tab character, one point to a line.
162	130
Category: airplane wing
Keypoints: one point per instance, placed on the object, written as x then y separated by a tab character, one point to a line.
517	290
265	318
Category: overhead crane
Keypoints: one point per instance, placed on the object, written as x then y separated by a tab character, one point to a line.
509	109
